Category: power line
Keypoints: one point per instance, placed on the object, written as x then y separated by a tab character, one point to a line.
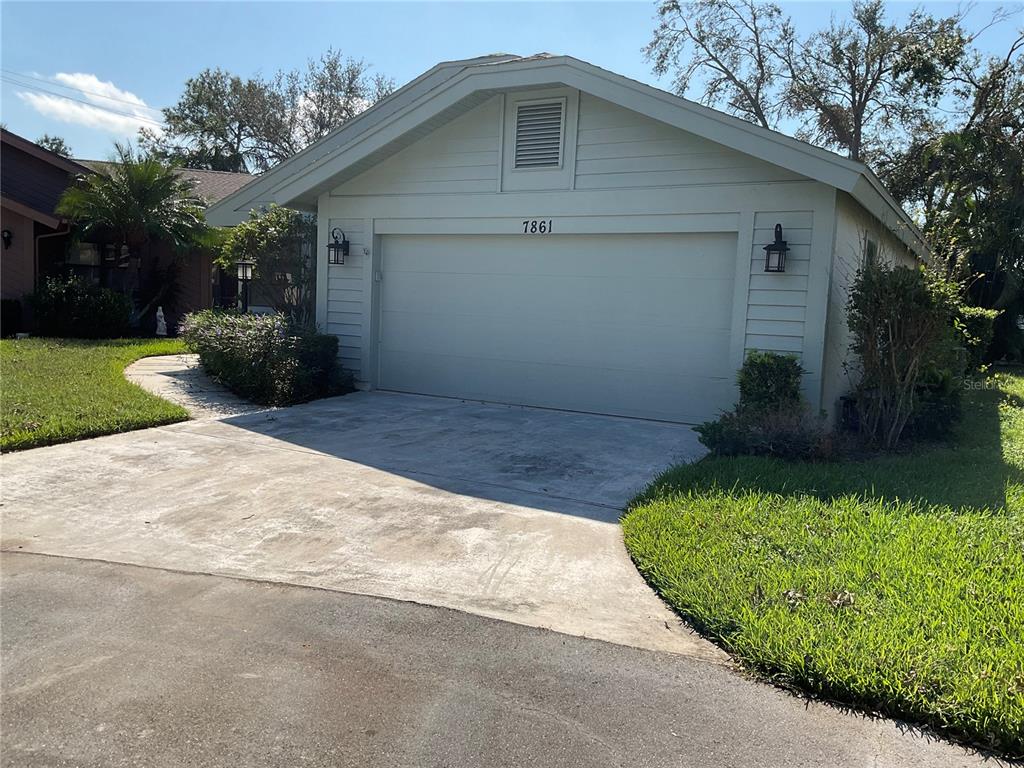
53	84
141	118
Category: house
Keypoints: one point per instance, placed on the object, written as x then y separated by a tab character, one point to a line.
198	282
34	237
37	242
541	231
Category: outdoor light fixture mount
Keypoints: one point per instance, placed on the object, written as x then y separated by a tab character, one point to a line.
338	249
775	253
8	238
245	268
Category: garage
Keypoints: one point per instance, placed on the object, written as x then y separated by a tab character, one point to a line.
630	325
540	231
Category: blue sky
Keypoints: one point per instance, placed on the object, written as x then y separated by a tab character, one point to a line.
120	62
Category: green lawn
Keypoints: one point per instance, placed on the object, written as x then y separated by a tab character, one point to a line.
57	390
895	583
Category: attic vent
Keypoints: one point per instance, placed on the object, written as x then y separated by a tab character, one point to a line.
539	135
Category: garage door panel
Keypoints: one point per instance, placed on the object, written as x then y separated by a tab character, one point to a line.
689	398
635	325
549	255
582	343
653	301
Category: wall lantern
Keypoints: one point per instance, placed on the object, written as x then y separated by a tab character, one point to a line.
245	267
338	250
775	254
8	237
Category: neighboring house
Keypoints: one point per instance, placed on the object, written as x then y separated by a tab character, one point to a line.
37	242
200	284
35	238
540	231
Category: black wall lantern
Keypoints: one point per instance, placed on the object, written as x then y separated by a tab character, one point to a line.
775	254
245	267
338	250
8	237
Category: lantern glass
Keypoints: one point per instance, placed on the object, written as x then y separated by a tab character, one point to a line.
774	260
244	270
775	254
338	249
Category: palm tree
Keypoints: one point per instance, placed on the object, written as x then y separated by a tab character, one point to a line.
137	201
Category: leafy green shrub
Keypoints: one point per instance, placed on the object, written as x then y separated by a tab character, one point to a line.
265	358
278	241
788	433
771	418
69	307
977	327
902	324
769	381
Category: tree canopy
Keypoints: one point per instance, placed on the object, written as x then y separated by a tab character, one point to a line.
55	144
225	122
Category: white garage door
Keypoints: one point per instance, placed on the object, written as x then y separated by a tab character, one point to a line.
633	325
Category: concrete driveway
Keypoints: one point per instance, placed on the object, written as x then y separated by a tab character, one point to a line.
500	511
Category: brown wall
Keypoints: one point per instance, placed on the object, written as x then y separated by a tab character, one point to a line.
17	263
194	280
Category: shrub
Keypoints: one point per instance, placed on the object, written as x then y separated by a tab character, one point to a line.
279	242
788	433
977	327
901	322
771	418
265	358
769	381
69	307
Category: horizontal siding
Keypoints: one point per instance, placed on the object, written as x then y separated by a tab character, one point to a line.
618	148
458	157
777	303
346	303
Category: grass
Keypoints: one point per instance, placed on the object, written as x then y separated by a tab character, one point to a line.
58	390
895	583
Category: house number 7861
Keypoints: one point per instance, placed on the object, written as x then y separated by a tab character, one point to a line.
537	227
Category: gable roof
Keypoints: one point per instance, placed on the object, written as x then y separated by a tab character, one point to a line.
32	178
453	88
212	186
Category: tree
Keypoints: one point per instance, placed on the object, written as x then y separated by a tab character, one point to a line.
224	122
138	200
279	242
730	44
216	124
313	102
858	81
848	85
55	144
966	183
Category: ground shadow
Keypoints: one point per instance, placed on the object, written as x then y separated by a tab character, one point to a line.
969	471
571	463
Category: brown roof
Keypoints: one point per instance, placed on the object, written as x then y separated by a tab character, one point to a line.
32	179
209	185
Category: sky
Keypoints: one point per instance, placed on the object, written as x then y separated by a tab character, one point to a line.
94	73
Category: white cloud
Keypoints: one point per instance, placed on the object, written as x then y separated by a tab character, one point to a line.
108	108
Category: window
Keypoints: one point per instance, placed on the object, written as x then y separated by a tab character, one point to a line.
539	134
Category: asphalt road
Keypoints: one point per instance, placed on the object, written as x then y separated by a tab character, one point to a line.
113	665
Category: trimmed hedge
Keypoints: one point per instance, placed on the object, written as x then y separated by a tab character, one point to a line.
264	358
72	308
